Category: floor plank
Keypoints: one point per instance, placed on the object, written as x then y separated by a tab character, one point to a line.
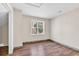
3	51
45	48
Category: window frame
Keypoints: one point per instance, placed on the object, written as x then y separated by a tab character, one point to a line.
37	21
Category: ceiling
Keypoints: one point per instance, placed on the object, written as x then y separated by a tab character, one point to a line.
2	8
45	10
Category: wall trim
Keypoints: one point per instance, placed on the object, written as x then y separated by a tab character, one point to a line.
76	49
18	47
36	41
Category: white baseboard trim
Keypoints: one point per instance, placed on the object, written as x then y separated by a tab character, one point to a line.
35	40
65	45
20	45
1	45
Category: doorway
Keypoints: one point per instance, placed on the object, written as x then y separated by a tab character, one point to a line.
7	30
3	33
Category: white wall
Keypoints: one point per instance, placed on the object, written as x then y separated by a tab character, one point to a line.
22	29
4	28
65	29
27	29
17	28
1	35
5	34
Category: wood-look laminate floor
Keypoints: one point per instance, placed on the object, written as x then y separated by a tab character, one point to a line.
45	48
3	51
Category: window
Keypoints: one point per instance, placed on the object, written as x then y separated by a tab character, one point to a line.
38	27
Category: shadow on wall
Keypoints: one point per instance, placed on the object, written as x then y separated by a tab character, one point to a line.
3	29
